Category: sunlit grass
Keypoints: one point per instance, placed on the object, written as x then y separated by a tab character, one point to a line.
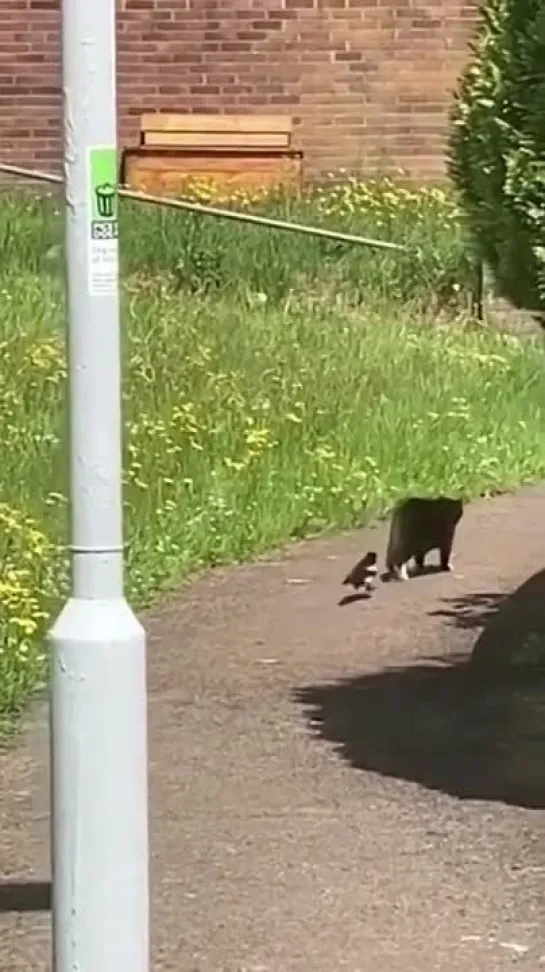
255	412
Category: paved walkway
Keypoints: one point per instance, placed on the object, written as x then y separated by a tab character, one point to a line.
331	788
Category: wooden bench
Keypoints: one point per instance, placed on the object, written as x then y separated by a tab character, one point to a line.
233	152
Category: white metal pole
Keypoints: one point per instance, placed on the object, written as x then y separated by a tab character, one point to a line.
98	706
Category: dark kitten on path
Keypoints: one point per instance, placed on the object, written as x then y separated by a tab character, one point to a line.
420	524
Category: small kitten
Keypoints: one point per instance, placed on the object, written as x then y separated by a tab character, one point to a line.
421	524
364	573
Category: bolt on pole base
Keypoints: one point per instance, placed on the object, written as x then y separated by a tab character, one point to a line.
99	788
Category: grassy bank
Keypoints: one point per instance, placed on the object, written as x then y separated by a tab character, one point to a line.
201	254
294	394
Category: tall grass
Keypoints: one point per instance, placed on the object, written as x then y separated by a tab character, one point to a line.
289	395
204	254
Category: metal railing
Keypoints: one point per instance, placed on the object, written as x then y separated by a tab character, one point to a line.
203	210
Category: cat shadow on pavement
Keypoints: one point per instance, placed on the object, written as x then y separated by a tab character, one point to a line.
471	725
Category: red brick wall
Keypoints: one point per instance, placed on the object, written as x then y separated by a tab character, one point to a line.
369	81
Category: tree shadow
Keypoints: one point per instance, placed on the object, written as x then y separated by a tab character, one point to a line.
513	625
471	725
22	896
470	610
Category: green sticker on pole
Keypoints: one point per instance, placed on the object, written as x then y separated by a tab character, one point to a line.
103	203
103	188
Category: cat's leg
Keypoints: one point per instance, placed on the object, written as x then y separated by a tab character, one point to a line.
445	551
419	561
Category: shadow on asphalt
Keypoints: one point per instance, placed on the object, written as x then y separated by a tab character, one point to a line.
472	726
21	896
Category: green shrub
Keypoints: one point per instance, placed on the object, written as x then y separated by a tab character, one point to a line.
497	147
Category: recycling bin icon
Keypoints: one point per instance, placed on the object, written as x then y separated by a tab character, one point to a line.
106	199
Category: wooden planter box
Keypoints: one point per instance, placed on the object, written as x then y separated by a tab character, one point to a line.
233	152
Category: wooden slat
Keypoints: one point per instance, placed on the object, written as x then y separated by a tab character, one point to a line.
162	122
217	140
168	174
